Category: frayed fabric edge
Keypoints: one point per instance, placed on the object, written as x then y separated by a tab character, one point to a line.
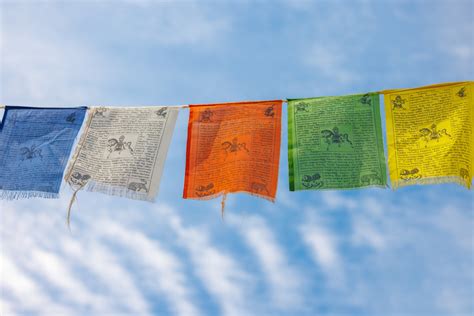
18	195
434	180
216	195
224	198
93	186
370	186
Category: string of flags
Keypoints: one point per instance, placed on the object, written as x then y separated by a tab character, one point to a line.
333	143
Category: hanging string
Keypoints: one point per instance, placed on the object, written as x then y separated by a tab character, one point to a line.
71	202
224	198
181	106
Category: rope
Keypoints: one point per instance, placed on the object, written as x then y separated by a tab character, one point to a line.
182	106
71	202
224	198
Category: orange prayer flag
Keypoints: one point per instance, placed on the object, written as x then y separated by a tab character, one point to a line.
233	147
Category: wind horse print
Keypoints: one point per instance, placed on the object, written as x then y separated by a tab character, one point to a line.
430	134
123	150
335	143
35	144
233	147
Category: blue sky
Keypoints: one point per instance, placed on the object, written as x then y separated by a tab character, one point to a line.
359	252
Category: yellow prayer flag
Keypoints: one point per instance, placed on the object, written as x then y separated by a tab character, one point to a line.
430	134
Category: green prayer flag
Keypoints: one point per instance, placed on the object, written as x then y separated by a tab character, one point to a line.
335	143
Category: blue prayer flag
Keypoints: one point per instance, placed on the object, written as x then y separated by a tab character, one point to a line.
35	144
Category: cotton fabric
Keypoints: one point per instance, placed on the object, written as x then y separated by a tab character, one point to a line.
335	143
35	144
233	147
430	134
123	151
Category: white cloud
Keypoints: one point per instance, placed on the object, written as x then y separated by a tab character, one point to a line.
159	266
285	199
368	223
110	274
456	224
323	248
284	280
5	307
181	24
464	52
144	266
452	33
222	276
453	301
337	200
58	274
32	297
366	233
46	59
87	274
299	5
40	66
336	41
333	63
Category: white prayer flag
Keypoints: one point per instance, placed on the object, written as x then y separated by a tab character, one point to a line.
123	150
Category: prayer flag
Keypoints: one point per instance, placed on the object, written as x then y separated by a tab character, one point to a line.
335	143
430	134
123	150
233	147
35	144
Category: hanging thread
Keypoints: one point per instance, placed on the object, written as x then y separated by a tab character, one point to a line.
71	202
224	198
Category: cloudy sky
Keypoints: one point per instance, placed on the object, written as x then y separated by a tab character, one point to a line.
359	252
